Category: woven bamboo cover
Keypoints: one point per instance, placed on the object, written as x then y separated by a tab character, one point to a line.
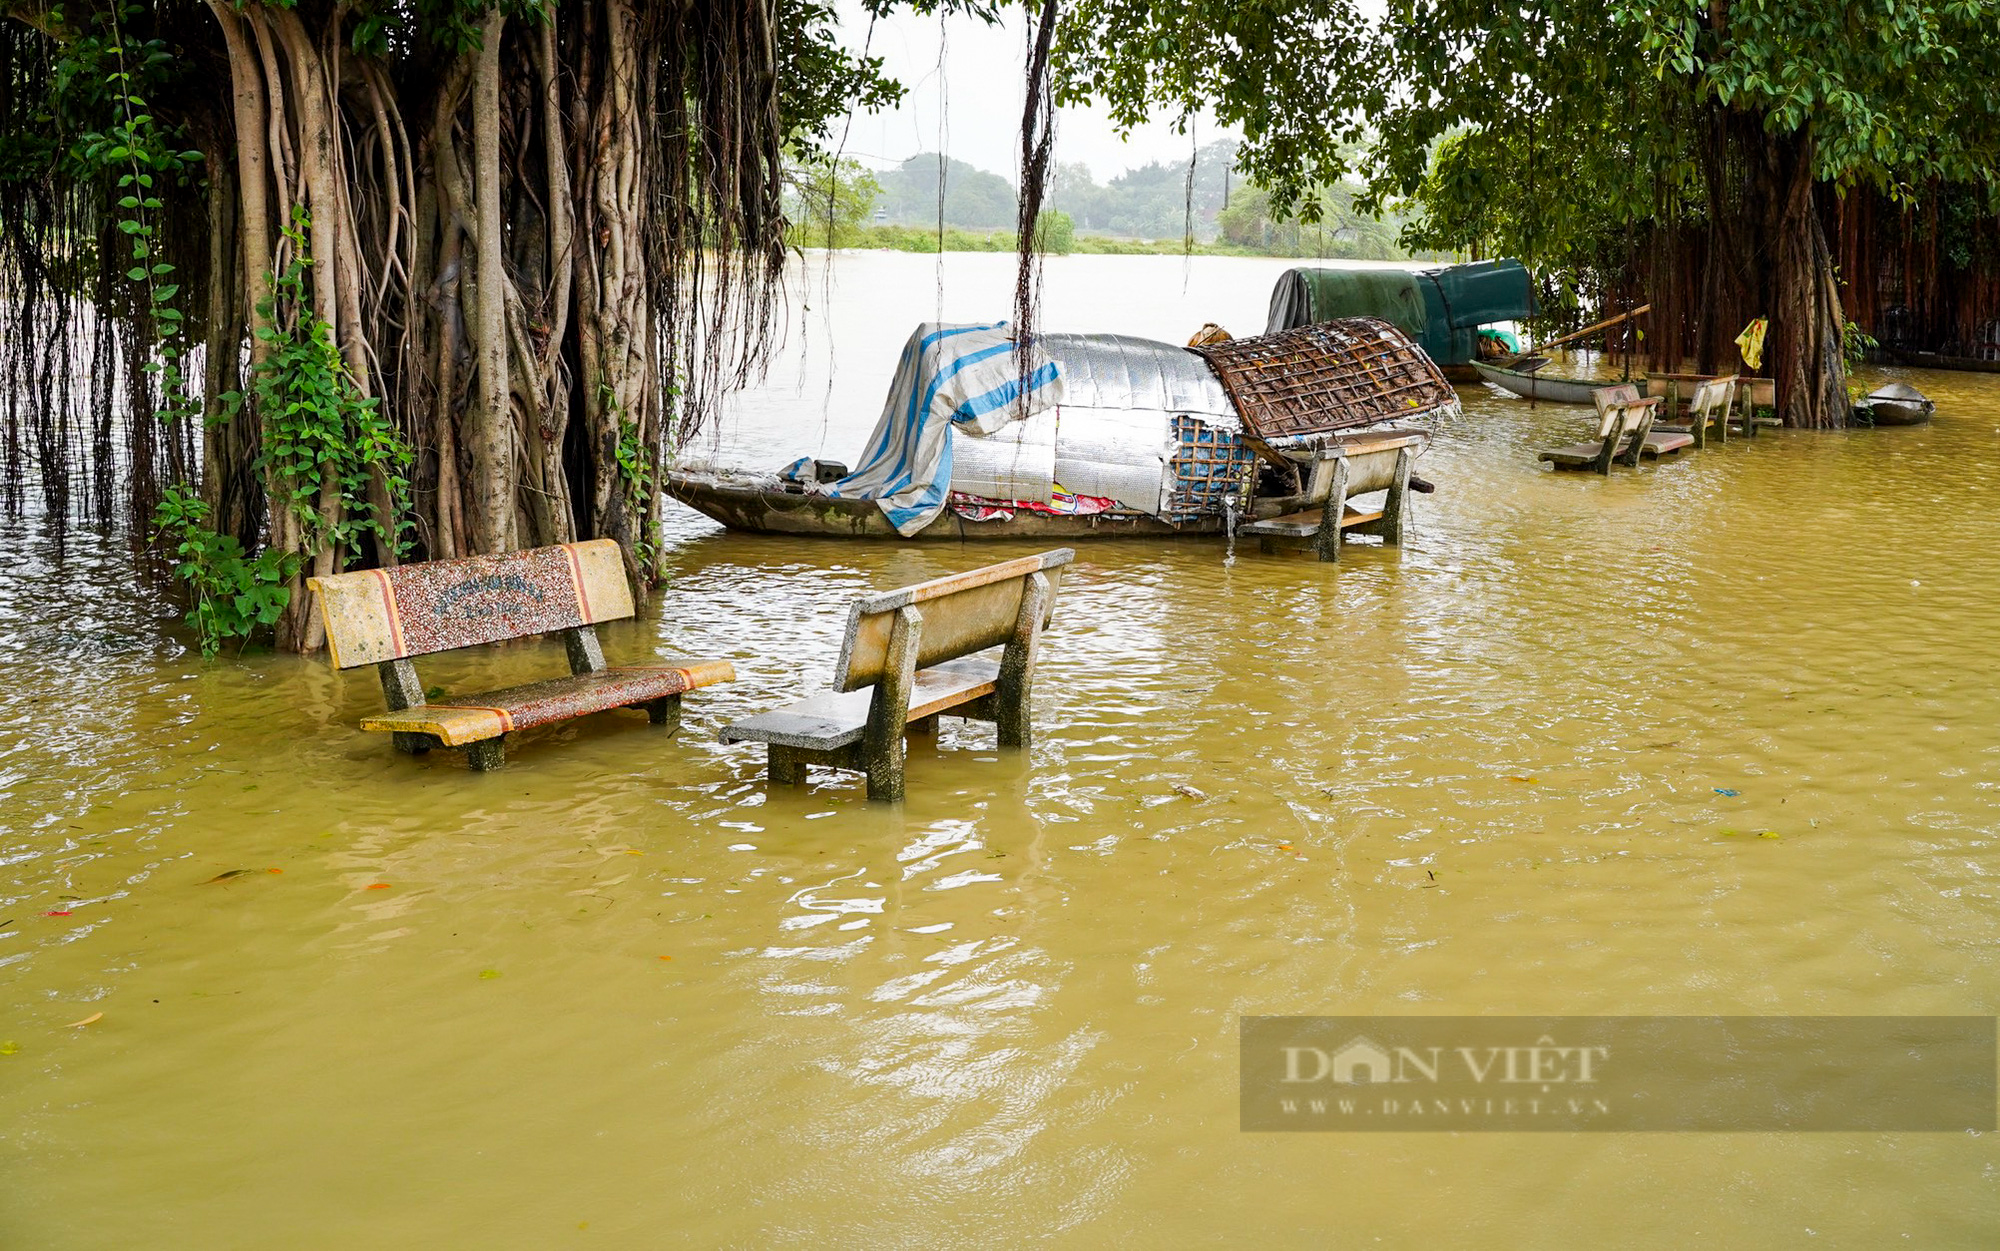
1333	375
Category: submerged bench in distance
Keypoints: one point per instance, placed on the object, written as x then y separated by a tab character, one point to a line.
1347	465
1624	433
909	655
383	617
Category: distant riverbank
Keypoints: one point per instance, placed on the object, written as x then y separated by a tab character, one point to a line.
895	238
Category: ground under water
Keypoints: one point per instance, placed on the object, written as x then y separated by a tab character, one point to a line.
625	994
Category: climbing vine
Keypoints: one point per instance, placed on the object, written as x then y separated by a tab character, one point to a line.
335	464
324	442
234	594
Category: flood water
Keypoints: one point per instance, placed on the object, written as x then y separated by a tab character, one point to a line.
624	994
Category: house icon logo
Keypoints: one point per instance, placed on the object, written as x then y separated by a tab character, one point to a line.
1361	1062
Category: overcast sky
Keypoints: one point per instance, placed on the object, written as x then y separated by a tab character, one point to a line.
973	109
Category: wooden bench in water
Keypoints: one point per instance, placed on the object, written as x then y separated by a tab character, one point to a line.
1347	466
383	617
1624	433
1706	397
911	655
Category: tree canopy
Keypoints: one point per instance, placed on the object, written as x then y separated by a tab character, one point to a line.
1569	130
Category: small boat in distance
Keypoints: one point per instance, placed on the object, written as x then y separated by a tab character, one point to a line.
1895	404
1540	386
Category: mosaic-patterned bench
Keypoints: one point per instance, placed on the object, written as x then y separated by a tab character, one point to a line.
910	655
383	617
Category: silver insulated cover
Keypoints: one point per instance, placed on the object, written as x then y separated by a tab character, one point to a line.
1121	371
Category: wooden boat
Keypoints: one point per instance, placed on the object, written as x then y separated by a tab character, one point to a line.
1896	404
761	504
1540	386
1938	360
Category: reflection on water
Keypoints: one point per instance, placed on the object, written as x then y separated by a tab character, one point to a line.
623	990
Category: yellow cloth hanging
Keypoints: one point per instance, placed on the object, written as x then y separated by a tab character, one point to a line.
1751	344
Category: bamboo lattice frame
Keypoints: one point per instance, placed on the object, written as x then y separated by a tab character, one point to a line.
1334	375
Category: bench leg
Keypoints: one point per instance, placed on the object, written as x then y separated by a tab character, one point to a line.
665	711
1327	541
881	752
1393	505
783	767
412	744
885	772
1014	692
487	754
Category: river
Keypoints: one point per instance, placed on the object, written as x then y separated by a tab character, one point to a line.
1715	736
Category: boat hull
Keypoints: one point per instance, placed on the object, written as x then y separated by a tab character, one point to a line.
759	505
1552	390
1898	413
758	508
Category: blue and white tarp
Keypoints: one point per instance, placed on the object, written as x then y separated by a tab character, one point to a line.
950	377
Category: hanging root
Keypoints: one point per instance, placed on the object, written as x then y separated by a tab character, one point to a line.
1038	127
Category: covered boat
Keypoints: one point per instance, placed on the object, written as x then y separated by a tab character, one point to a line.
1112	436
1442	308
1895	404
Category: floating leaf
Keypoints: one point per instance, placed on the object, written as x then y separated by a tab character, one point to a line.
8	1047
59	912
1767	834
489	974
225	876
1514	777
93	1017
378	886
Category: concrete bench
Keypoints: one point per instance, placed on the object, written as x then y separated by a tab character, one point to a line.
1624	433
1347	465
383	617
909	656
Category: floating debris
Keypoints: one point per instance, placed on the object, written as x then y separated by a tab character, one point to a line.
227	876
1191	792
89	1020
1723	790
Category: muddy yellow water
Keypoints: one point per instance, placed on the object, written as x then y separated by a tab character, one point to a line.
623	994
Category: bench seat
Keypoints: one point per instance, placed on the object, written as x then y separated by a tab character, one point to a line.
1584	455
474	718
837	719
1306	523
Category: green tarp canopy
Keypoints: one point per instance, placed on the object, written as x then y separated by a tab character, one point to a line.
1440	308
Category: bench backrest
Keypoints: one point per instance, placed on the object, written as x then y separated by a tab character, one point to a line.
1609	401
1711	395
963	613
413	610
1620	411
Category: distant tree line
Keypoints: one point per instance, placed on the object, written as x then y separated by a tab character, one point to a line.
852	205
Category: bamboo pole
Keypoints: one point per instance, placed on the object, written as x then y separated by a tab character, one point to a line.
1589	330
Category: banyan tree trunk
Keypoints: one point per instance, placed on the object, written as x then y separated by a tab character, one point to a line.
1807	325
483	243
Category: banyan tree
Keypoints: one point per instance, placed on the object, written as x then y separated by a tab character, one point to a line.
294	285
